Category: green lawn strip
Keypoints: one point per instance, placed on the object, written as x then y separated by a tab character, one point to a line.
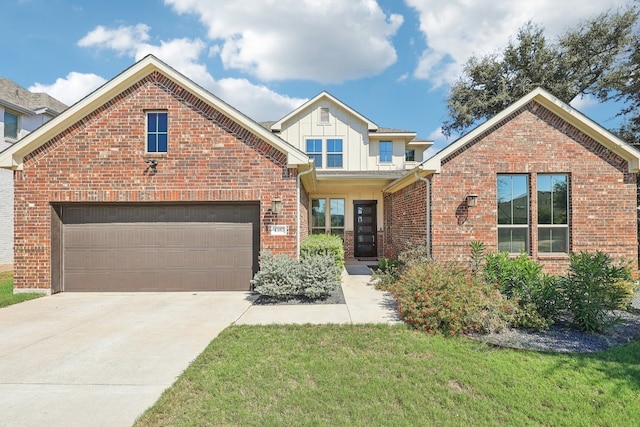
391	375
7	297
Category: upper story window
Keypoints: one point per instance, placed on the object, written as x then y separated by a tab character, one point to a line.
513	213
386	151
323	116
10	125
553	213
314	151
410	155
157	132
334	153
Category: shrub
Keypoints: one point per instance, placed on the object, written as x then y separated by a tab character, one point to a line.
448	299
386	274
323	244
283	277
588	288
619	294
414	254
522	281
477	256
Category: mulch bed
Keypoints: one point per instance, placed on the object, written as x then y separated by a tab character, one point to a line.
336	297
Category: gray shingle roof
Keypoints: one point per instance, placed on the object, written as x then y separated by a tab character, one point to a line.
15	94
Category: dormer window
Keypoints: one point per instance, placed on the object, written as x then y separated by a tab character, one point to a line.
410	155
324	116
10	125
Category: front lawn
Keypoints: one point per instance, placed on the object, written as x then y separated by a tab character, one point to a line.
393	375
7	297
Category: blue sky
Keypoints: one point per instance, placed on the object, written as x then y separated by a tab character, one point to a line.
391	60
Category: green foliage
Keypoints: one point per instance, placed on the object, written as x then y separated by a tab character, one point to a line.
476	259
283	277
448	299
521	280
323	244
414	255
387	264
588	286
594	58
620	294
386	274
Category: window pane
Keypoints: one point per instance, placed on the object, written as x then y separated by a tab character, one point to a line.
334	146
314	150
152	143
552	199
317	159
410	155
337	212
152	122
162	122
10	125
553	239
334	160
385	151
560	199
162	143
338	232
318	212
513	240
513	199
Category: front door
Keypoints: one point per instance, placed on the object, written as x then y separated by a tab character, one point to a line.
364	228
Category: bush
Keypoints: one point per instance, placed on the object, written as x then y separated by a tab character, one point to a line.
620	294
324	244
448	299
283	277
588	288
521	280
386	274
414	254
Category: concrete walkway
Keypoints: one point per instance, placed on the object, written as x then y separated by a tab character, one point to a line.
101	359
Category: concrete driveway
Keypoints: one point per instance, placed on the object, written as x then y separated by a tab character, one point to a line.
92	359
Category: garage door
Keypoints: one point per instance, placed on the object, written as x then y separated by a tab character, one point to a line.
205	247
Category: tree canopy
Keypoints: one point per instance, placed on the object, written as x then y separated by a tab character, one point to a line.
600	58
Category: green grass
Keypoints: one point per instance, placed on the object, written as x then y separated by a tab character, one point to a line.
7	297
394	376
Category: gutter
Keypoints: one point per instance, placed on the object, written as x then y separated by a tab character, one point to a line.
427	183
298	210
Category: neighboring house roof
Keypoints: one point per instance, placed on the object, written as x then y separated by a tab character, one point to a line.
277	126
12	157
545	99
14	96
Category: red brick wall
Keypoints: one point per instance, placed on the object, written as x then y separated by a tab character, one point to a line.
533	141
101	159
405	218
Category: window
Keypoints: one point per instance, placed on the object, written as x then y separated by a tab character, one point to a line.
385	151
314	150
410	155
334	153
324	115
513	213
553	209
331	222
10	125
157	132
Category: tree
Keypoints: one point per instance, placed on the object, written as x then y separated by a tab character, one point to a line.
595	58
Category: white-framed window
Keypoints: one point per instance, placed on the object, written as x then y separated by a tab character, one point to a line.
334	153
386	151
553	213
314	151
327	221
409	155
513	213
11	127
157	131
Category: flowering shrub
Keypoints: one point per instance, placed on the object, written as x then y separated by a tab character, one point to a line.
448	299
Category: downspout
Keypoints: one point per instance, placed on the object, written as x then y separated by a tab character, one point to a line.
427	183
298	210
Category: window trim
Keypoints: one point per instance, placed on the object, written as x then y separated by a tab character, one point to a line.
566	227
335	153
328	228
313	154
527	226
413	150
156	132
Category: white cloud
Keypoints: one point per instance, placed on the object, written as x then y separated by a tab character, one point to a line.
325	41
457	29
582	102
70	89
183	54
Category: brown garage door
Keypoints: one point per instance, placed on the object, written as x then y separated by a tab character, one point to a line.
127	247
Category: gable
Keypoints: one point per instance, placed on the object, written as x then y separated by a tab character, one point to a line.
173	82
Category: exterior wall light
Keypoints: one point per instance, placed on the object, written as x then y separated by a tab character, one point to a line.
472	200
276	206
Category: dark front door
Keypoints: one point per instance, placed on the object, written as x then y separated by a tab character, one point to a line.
365	227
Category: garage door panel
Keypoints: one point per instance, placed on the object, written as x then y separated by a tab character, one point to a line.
105	249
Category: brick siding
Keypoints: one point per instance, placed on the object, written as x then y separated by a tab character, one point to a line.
101	159
532	141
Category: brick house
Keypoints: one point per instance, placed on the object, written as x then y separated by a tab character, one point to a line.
153	183
539	177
